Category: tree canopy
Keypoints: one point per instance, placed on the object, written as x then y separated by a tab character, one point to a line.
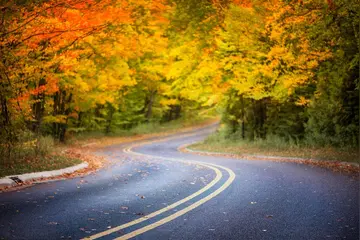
278	67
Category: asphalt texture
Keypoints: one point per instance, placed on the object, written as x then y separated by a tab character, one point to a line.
267	200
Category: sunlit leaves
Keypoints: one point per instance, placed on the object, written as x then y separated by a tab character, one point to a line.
108	60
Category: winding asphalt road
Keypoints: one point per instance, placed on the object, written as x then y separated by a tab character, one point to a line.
153	191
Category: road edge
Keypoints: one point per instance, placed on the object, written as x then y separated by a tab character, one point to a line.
347	167
15	180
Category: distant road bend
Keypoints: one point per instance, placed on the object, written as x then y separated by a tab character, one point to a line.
153	191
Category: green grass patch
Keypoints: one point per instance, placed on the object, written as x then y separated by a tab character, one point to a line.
32	154
274	146
36	164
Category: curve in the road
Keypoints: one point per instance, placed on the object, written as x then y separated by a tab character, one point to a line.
171	217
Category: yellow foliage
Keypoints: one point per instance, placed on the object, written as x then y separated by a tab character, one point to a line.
302	101
168	102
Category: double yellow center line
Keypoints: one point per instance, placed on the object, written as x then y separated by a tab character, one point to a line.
171	217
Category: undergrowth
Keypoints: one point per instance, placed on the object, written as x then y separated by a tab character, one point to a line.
37	164
223	142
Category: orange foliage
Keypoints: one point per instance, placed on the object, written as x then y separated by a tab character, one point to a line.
67	21
243	3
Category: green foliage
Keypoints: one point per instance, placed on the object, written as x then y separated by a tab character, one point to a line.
44	145
36	164
227	138
26	146
334	111
275	91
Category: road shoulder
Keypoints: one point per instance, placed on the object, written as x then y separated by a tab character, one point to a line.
338	166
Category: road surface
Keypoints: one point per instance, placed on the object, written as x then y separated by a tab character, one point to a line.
153	191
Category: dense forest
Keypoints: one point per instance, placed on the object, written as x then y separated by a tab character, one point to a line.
288	68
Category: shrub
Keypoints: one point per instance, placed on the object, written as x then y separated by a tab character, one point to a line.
44	145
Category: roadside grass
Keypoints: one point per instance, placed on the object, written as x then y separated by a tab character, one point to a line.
36	154
33	154
274	146
36	164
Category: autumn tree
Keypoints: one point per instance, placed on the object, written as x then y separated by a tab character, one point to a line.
284	68
36	39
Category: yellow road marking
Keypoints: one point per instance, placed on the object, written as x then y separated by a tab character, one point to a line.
217	178
172	206
181	212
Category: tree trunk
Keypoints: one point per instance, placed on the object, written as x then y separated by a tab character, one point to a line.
38	109
242	117
177	111
61	108
109	118
150	102
79	121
